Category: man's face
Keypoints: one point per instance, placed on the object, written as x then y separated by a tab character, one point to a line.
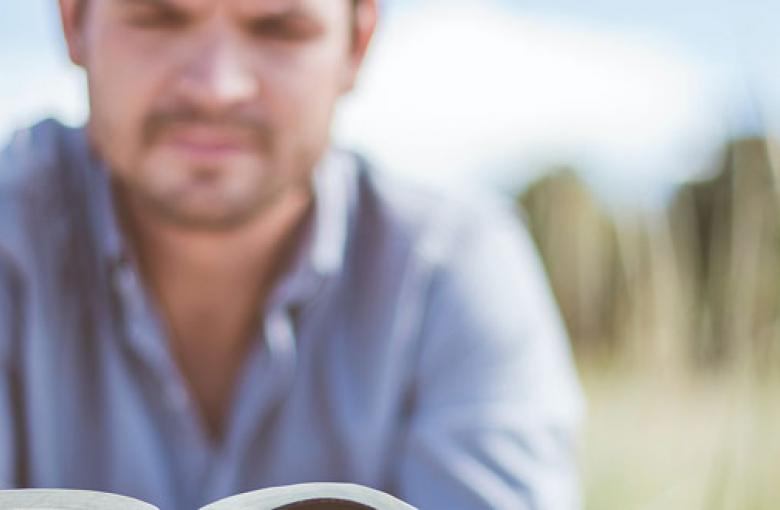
209	110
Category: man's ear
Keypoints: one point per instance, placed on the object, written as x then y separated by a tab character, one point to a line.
363	28
72	16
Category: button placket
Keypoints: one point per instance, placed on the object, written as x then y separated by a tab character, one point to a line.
267	380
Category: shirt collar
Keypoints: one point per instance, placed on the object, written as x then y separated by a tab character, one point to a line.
324	247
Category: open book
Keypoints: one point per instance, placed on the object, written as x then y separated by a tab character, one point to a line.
307	496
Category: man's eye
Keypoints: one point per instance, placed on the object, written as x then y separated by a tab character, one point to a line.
157	20
283	30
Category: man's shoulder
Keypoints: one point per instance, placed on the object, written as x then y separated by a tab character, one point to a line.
436	223
469	251
31	152
33	191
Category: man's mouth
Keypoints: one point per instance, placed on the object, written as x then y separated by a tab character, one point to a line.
205	142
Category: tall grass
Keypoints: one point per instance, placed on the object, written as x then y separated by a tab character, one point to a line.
675	321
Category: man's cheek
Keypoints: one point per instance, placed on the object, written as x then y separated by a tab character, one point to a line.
303	111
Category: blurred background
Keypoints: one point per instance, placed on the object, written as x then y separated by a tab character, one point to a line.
636	138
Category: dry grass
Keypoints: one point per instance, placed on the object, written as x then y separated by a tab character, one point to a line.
663	441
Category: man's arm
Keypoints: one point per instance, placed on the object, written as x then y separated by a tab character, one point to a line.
8	456
497	403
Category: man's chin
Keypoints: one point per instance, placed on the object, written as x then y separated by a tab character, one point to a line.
205	203
206	217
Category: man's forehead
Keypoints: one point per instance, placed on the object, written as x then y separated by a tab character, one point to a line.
248	7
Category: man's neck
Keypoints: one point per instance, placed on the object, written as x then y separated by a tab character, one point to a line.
211	287
250	255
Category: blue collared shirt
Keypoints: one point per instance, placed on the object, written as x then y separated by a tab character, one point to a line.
413	347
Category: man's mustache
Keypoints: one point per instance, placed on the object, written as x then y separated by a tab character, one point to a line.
156	123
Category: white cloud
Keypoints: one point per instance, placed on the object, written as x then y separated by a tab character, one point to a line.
467	90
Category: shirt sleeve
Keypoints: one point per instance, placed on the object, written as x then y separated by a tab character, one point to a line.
8	459
496	404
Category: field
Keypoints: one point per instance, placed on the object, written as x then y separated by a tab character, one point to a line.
674	314
657	441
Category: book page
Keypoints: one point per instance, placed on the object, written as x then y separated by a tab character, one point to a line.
61	499
322	496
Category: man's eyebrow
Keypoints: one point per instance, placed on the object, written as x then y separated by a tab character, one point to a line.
281	15
162	4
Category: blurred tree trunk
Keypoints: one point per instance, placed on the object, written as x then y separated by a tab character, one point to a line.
728	233
699	282
578	244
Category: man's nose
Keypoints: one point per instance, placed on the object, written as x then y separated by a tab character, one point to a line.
218	75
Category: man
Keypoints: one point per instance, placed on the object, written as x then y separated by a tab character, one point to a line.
200	296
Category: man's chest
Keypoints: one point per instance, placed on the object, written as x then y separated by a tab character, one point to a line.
107	413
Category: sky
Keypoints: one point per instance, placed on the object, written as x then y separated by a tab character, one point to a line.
639	95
